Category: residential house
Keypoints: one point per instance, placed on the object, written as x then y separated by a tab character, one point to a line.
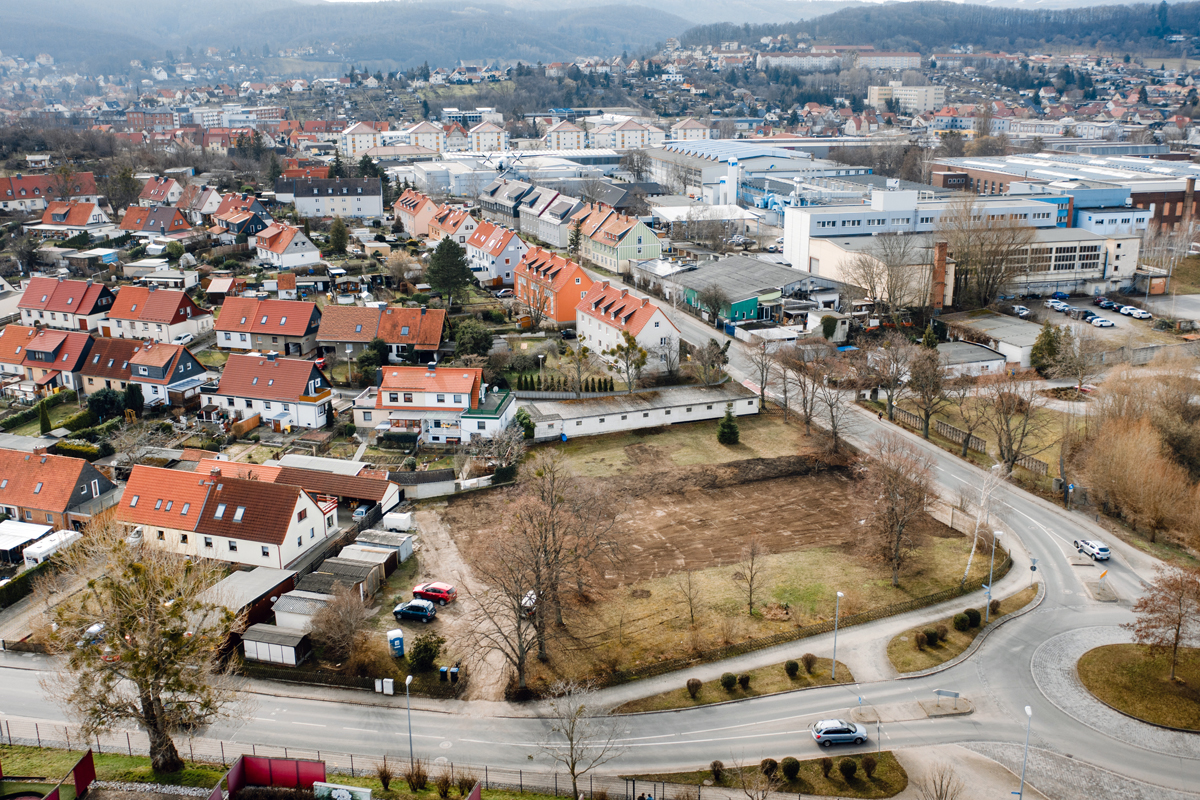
53	360
148	222
198	203
440	405
607	313
611	240
225	519
550	286
427	135
147	312
412	334
285	247
347	330
627	135
488	137
500	201
339	197
285	286
689	129
414	211
243	202
356	140
287	392
549	219
107	365
59	491
285	326
26	194
565	135
457	138
66	219
233	224
494	253
168	374
160	192
65	304
13	338
453	222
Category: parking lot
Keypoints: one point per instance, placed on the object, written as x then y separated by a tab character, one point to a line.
1125	330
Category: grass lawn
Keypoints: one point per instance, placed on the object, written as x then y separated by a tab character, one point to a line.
1186	279
889	780
763	435
905	657
765	680
1131	678
212	358
57	414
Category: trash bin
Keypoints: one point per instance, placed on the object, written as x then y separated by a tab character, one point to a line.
454	674
396	642
389	686
442	673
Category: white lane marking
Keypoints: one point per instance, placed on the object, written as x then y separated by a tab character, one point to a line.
308	724
1053	536
360	730
264	719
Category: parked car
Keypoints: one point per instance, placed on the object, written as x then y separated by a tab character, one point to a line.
1090	547
1126	310
1139	313
361	512
1103	322
1099	300
1006	297
1061	296
183	338
438	592
1064	308
569	333
1108	304
1021	311
1052	304
828	732
422	610
504	293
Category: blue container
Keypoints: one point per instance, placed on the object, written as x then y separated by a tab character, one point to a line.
396	642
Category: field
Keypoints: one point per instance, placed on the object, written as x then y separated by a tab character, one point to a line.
676	518
889	780
1130	678
905	657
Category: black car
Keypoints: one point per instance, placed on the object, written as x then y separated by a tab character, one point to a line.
568	333
417	609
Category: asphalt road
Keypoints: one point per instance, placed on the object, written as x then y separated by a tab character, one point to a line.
997	678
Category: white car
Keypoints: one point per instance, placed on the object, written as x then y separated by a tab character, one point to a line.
1101	322
183	338
1127	310
1090	547
1139	313
1021	311
1051	303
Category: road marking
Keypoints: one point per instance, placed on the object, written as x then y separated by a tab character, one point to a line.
360	730
264	719
309	724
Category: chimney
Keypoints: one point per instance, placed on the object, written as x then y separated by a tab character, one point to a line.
271	356
938	293
153	286
624	292
215	472
1188	201
61	278
89	281
604	285
645	302
423	309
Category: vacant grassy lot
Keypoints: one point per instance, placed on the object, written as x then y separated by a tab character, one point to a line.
763	435
1133	679
1186	279
766	680
889	780
57	414
905	657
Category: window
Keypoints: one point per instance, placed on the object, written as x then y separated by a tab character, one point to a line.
132	503
232	546
851	223
441	398
249	404
237	515
302	515
185	508
827	223
183	538
208	541
408	398
28	514
926	220
220	511
645	413
162	535
481	425
578	422
458	398
366	416
266	551
38	489
329	522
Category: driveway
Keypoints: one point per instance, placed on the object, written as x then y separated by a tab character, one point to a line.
1181	306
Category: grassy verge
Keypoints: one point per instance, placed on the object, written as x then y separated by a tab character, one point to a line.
763	681
905	657
889	779
1131	678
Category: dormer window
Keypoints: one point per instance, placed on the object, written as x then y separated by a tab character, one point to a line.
263	321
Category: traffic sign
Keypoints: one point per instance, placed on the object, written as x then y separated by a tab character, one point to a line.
1102	574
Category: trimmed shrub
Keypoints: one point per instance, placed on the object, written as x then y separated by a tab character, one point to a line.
869	765
791	668
693	687
769	766
994	607
77	422
961	622
919	641
717	768
826	766
931	637
416	776
77	448
790	768
744	680
847	767
943	632
973	617
505	474
728	681
809	661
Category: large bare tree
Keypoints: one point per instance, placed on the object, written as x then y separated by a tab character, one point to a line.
1014	417
762	362
584	734
893	273
989	247
899	486
927	378
889	369
503	619
140	643
750	572
713	299
1079	357
1168	615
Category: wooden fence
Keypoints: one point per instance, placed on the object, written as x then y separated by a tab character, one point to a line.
1034	465
955	435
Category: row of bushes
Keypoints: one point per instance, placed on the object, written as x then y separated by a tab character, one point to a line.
99	432
970	618
81	448
790	768
559	383
22	585
32	413
396	441
728	681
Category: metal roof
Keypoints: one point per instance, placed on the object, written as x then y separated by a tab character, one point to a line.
273	634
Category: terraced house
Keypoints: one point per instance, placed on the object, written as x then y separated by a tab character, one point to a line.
493	253
65	305
284	326
52	490
286	392
611	240
147	312
414	211
550	286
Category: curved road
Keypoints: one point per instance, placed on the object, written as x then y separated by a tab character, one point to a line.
997	678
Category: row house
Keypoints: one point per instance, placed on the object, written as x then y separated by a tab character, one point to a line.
285	392
229	226
160	192
58	491
148	222
347	330
493	253
286	326
439	405
65	219
65	304
31	193
161	315
285	247
550	286
414	211
340	197
168	374
627	135
687	130
607	313
611	240
453	222
409	333
43	360
500	201
236	520
548	217
199	203
242	202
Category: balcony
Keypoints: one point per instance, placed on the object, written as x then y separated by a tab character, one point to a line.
316	398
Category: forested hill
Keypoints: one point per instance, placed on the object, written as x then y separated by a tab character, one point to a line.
933	26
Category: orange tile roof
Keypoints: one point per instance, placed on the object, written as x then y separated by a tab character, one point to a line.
287	280
63	296
110	358
258	377
77	214
69	349
166	497
38	481
552	270
617	307
277	317
349	324
453	380
424	326
13	340
149	304
276	237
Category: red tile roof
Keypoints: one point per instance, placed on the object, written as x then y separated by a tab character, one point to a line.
162	497
449	219
68	348
459	380
552	270
156	219
38	481
28	187
236	202
68	212
63	296
276	238
158	190
260	378
287	281
276	317
253	510
617	308
420	328
109	358
349	324
149	304
13	340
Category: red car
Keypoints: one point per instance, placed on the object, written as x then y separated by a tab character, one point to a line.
440	593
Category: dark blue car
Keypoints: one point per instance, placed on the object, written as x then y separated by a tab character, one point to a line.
1061	296
417	609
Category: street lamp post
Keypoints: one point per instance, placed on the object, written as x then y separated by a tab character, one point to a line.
1025	760
542	365
987	612
408	702
837	608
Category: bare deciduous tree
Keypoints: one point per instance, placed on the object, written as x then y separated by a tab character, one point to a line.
340	624
637	164
1168	615
899	485
962	392
502	620
536	304
889	369
713	299
834	383
584	735
892	272
504	448
990	249
762	362
1129	474
689	592
784	380
751	570
668	356
150	642
756	783
981	500
578	365
134	442
1079	356
927	385
940	783
709	361
1013	416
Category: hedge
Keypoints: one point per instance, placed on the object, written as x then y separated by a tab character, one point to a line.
22	585
396	441
77	422
31	413
80	448
99	432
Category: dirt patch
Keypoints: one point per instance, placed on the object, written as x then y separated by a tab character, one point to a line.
1069	393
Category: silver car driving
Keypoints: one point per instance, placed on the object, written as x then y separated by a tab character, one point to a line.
828	732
